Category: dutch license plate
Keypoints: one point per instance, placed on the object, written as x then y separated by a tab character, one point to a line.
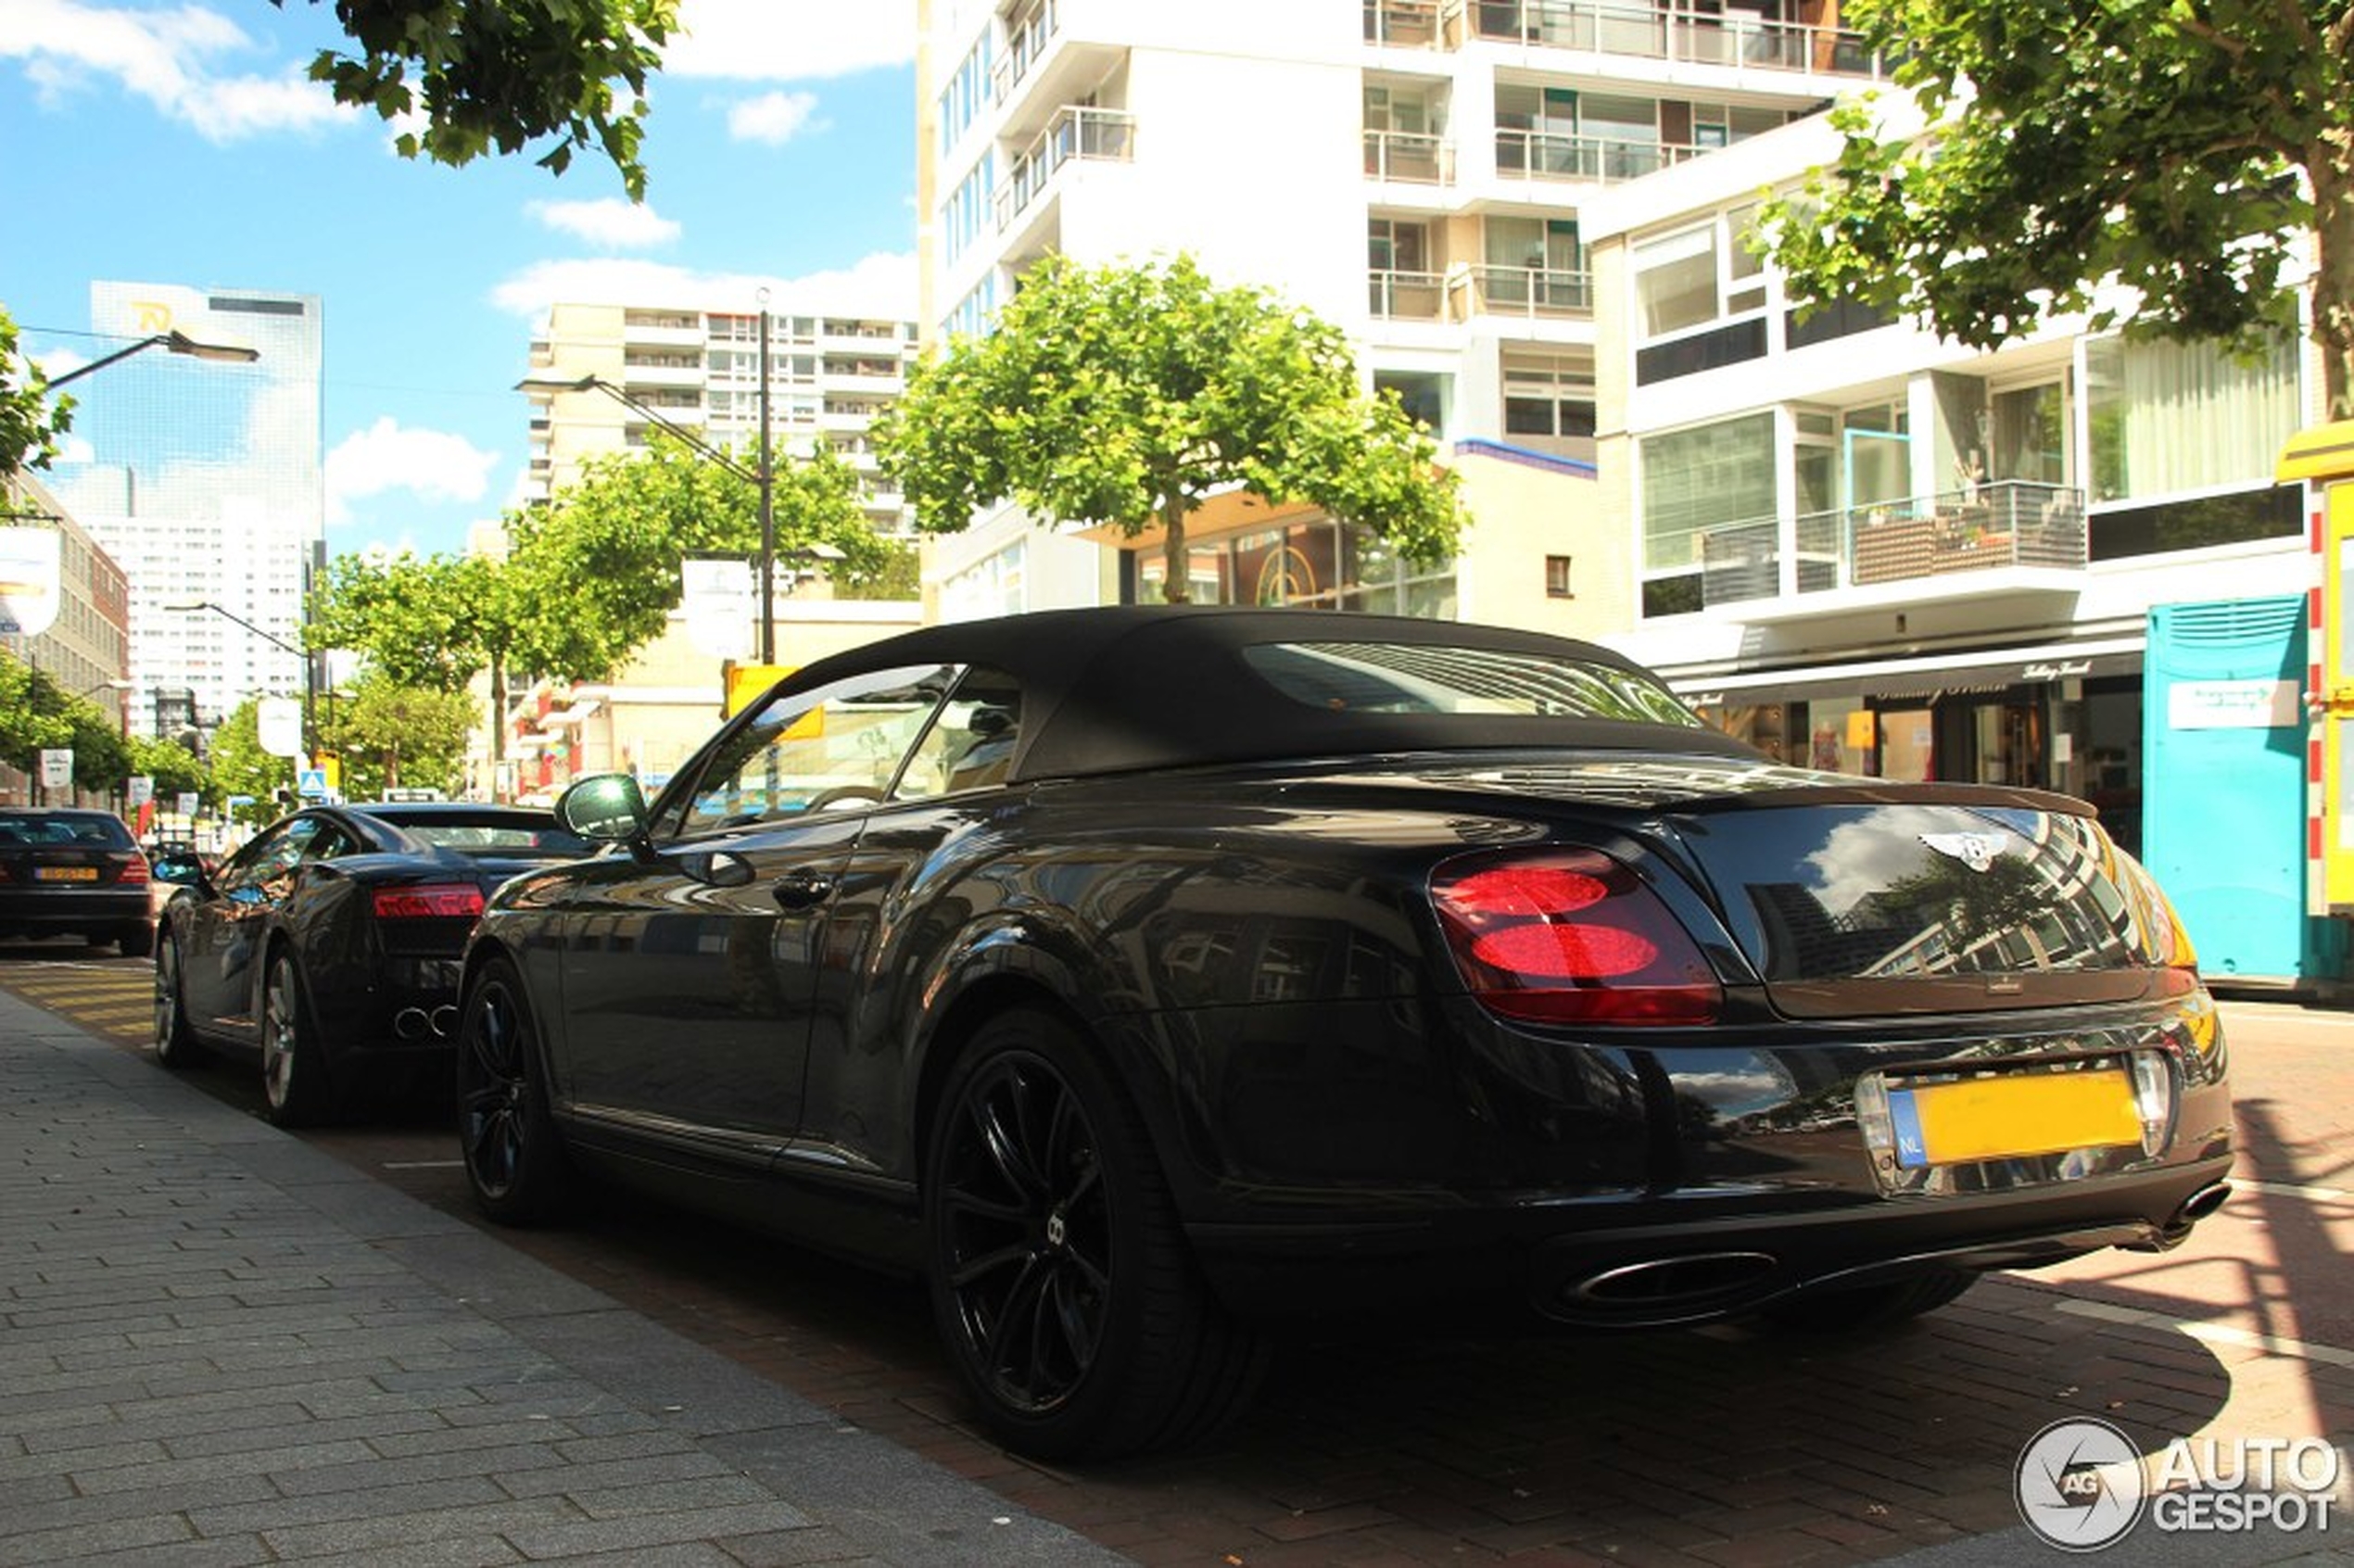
2022	1114
65	873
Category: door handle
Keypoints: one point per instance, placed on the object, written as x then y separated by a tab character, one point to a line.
803	889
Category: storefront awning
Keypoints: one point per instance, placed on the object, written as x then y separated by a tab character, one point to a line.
1927	676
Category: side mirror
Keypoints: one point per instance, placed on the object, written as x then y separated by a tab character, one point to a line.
607	808
184	870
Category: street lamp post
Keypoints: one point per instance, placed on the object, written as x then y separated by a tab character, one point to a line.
761	476
310	684
176	341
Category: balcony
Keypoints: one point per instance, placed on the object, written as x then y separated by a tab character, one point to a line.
1680	34
1941	542
1404	25
1409	158
1025	42
1075	133
1406	297
1529	293
1539	155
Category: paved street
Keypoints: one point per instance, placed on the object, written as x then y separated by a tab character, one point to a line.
302	1348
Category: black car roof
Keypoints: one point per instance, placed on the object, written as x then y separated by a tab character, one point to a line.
1135	686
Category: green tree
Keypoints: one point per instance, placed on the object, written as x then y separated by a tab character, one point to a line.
174	769
2182	148
28	425
489	75
241	767
36	714
389	734
1125	395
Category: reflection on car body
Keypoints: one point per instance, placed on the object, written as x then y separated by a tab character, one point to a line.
1272	963
329	945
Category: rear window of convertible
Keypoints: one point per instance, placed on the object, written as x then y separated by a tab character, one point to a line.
1397	678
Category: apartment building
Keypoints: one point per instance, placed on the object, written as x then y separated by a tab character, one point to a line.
205	481
65	609
604	375
1414	171
1870	550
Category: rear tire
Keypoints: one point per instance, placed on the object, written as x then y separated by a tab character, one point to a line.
1060	1282
176	1044
136	941
297	1084
1862	1309
516	1165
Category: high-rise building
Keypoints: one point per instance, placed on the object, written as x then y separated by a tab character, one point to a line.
1412	170
204	481
697	368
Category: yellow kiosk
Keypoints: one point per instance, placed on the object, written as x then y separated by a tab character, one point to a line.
2323	459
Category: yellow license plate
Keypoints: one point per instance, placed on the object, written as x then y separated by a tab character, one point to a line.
2023	1113
65	873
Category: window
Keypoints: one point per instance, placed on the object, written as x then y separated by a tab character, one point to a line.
1557	577
2173	417
1392	245
1387	678
971	744
1549	395
1693	481
1675	282
841	744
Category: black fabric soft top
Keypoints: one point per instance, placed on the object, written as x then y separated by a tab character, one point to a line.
1140	687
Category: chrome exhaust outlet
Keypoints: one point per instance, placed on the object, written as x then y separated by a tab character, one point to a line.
412	1023
443	1021
1689	1280
2202	1203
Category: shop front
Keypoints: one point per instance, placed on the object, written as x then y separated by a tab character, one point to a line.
2064	718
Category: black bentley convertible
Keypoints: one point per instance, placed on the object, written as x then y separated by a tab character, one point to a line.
1144	977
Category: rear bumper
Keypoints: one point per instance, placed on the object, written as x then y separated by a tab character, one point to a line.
72	911
1645	1260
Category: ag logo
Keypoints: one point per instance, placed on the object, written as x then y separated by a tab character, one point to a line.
2079	1485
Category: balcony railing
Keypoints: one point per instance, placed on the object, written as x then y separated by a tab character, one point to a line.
1540	155
1024	43
1409	158
1108	135
1407	296
1676	32
2011	523
1403	24
1550	293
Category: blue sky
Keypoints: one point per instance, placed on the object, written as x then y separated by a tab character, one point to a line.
178	143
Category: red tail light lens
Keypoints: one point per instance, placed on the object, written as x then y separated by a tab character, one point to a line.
431	900
134	872
1572	936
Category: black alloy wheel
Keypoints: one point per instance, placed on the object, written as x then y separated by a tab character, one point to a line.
516	1161
297	1083
175	1042
1059	1278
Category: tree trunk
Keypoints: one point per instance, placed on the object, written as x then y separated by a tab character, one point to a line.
497	721
2332	174
1177	578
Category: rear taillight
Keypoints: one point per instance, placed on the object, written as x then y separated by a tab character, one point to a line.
430	901
134	873
1571	936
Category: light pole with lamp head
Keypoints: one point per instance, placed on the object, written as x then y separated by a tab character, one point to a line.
762	476
176	341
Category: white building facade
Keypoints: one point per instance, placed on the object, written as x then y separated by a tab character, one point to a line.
1413	171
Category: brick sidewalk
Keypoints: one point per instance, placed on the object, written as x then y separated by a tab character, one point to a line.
222	1347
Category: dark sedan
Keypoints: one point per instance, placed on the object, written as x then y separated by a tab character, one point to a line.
1145	977
328	947
65	871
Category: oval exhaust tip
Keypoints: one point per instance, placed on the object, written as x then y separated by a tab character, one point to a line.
2205	1201
1669	1281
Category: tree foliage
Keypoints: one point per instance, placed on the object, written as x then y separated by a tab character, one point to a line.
489	75
2182	148
174	769
389	734
1126	395
37	714
28	425
241	767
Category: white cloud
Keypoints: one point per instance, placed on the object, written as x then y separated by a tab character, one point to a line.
74	450
789	40
610	224
773	117
882	284
430	463
172	57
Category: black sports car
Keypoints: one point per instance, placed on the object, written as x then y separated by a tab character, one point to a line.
1144	977
329	945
